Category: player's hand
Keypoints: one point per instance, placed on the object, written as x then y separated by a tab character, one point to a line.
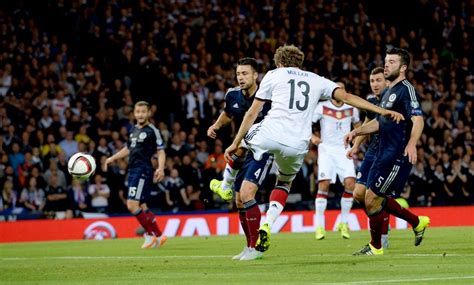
397	117
229	151
106	164
410	150
315	140
211	132
348	138
352	152
159	175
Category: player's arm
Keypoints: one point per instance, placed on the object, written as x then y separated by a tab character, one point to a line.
366	129
223	120
341	95
249	118
358	140
160	171
415	135
119	155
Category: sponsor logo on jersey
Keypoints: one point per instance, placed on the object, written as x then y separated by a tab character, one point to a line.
142	136
392	97
359	175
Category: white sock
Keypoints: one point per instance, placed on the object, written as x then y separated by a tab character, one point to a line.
273	212
321	204
346	205
229	177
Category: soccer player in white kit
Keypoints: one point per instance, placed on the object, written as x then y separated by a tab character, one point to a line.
286	130
336	119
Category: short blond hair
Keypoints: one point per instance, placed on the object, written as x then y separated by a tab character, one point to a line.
289	56
142	103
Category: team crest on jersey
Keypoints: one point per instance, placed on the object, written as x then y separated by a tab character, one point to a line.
142	136
338	114
392	97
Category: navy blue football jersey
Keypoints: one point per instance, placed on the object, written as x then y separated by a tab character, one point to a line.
374	138
236	105
394	137
143	144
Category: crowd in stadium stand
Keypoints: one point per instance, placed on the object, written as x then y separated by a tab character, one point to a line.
70	72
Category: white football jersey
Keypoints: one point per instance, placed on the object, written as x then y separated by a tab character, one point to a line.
294	94
335	122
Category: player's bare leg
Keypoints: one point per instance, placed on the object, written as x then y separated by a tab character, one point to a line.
243	223
321	203
346	205
252	217
224	188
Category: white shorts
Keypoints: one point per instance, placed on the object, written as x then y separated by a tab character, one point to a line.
287	159
332	163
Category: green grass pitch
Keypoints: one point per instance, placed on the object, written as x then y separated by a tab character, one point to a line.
446	256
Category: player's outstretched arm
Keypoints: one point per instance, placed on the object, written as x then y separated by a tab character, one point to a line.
248	121
341	95
366	129
417	129
223	120
120	154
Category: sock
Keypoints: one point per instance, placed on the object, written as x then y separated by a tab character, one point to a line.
392	207
278	199
243	223
154	225
320	205
253	216
376	222
142	218
346	205
228	177
386	222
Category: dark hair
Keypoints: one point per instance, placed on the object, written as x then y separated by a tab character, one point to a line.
376	70
403	53
249	61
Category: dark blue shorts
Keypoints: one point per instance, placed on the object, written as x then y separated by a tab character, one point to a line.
253	170
364	169
140	182
388	177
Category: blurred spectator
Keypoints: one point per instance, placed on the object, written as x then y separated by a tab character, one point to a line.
68	145
174	191
57	199
9	197
33	197
100	194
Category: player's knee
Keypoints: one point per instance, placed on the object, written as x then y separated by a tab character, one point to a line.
247	191
324	185
349	183
133	206
359	194
372	201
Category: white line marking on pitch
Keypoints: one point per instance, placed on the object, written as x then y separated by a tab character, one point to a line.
406	280
217	256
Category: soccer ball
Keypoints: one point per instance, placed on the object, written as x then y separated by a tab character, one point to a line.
81	165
